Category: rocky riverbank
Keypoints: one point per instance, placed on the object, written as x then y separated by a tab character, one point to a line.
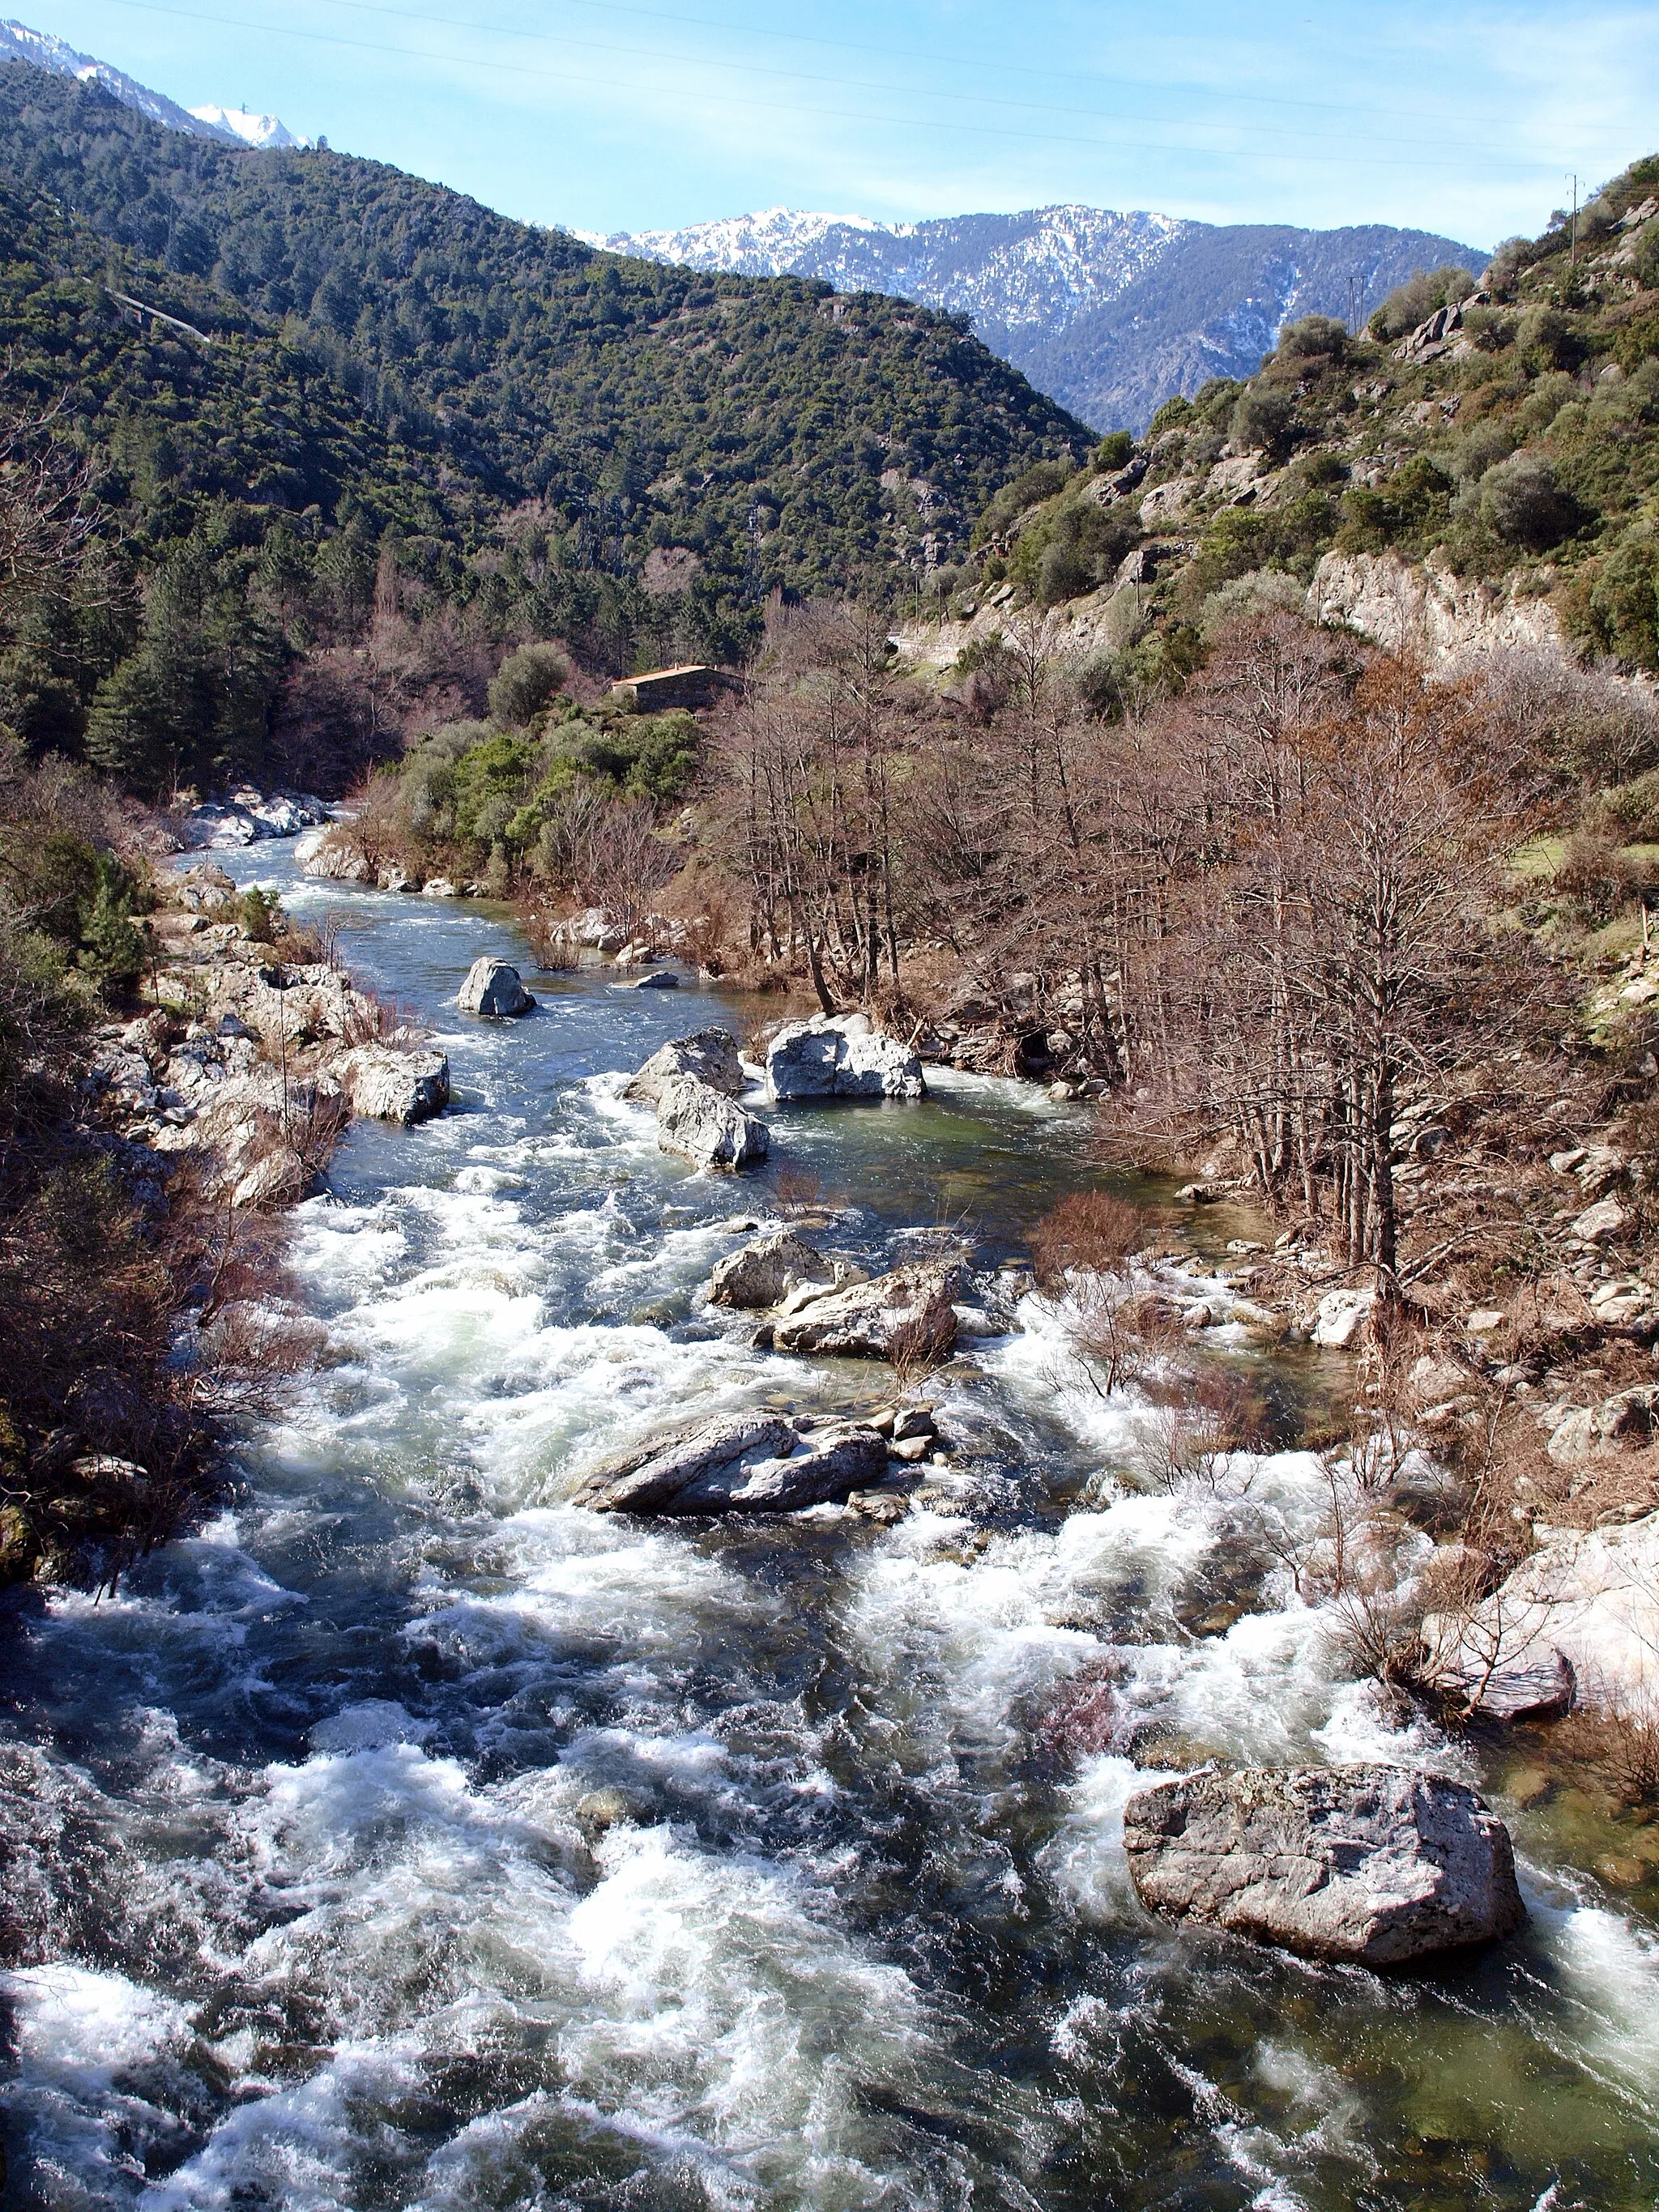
254	1053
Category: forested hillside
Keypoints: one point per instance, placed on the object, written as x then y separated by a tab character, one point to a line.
1504	425
518	434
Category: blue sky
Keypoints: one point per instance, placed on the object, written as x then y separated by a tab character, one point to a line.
609	116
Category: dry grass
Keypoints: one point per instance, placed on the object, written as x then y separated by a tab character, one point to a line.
1092	1231
1618	1746
1200	1420
917	1347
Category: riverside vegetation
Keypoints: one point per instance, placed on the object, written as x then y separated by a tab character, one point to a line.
1358	933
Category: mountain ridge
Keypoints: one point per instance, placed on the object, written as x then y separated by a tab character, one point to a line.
226	126
1109	312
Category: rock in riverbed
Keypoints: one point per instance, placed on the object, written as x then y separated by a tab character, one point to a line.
865	1321
746	1463
840	1057
710	1054
694	1120
494	987
764	1273
1372	1864
390	1083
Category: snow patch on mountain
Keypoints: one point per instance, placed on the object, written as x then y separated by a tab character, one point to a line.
265	132
766	244
20	43
1107	312
1010	272
228	126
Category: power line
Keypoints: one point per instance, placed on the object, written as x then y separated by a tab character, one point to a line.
852	84
1003	68
771	107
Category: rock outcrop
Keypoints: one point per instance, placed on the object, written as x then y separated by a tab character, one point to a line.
332	855
249	816
1375	1865
840	1057
868	1321
493	987
1587	1601
710	1054
746	1463
385	1083
257	1089
764	1273
264	1137
1420	608
695	1121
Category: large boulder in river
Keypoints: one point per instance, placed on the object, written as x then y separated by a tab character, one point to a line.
870	1321
710	1054
493	987
1375	1865
840	1057
764	1273
744	1463
389	1083
695	1121
334	855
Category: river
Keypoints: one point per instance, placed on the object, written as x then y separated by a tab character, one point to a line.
300	1914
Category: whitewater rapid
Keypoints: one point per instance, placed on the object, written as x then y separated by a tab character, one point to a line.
305	1909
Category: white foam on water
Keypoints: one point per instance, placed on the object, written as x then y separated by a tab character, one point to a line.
88	2023
1611	1969
962	1085
705	2008
574	1575
732	2010
81	2037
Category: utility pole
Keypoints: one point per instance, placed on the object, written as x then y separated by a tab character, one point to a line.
1572	235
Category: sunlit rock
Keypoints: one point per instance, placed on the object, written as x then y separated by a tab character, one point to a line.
840	1057
493	987
746	1463
386	1085
694	1120
764	1273
710	1054
1375	1865
870	1321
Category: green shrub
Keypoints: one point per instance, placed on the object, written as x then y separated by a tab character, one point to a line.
1314	338
526	681
1410	512
1520	500
257	911
1264	421
1621	606
1416	299
1114	451
112	945
1171	416
1038	482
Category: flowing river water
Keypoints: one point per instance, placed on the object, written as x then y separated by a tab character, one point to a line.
302	1916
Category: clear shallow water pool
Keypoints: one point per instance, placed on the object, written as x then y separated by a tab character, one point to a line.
299	1912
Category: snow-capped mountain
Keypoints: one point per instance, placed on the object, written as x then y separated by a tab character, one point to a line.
240	123
764	245
1109	313
230	126
1012	274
